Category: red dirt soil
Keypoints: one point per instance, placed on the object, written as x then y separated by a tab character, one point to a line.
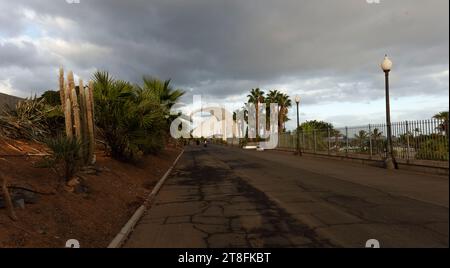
93	218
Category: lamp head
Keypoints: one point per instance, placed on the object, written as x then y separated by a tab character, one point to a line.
386	64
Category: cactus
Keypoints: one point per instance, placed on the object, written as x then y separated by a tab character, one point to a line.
78	113
70	81
68	118
90	121
67	92
83	117
62	87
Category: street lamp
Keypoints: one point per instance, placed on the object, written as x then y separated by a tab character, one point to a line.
298	151
390	162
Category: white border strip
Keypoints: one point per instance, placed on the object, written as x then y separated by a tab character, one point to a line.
126	230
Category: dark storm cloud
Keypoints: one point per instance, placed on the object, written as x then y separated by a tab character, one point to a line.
24	55
327	50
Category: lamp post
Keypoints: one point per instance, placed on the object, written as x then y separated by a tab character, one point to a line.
390	162
298	151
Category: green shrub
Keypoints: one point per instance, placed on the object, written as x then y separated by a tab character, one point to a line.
65	155
131	119
433	149
51	97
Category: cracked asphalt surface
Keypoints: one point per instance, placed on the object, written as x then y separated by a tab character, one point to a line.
228	197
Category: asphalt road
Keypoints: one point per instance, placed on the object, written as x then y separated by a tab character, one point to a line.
228	197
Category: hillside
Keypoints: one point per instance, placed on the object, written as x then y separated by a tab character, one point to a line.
93	214
8	100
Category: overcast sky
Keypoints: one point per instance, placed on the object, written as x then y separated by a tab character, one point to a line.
327	51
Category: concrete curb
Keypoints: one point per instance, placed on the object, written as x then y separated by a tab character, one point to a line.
126	230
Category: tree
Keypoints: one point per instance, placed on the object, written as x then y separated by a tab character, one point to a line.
284	102
272	97
131	119
51	97
361	137
162	90
316	132
443	117
316	125
376	136
256	97
55	116
243	111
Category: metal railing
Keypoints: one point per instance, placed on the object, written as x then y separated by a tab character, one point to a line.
412	140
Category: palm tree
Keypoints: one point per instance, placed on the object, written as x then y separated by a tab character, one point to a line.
376	135
162	90
130	118
361	137
159	91
243	128
272	97
284	102
256	97
443	117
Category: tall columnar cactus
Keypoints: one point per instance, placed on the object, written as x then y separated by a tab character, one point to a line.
90	121
76	115
83	117
68	118
67	95
62	87
78	112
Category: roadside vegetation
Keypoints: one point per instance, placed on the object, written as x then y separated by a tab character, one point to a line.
262	100
429	141
129	120
133	119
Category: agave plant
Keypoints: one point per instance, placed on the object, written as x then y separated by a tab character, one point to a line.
29	120
65	155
